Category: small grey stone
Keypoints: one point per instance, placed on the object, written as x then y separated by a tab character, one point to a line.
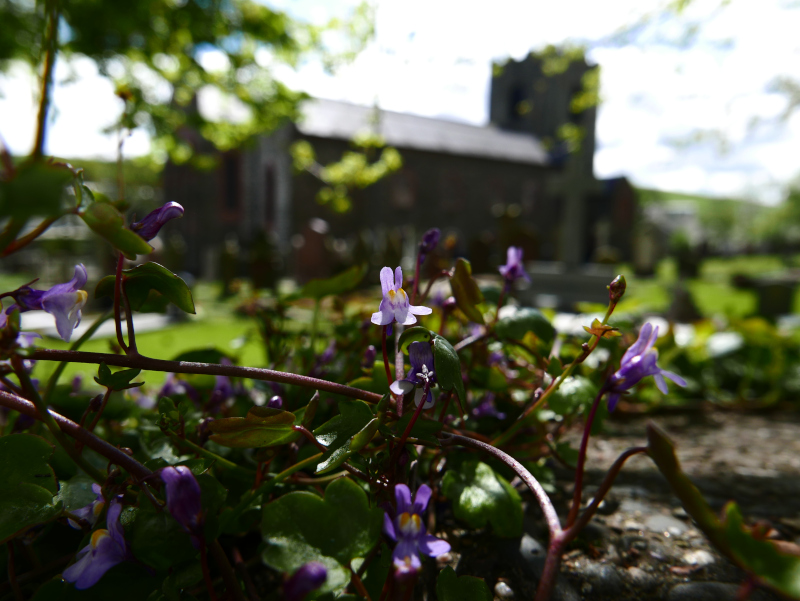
680	512
640	579
664	523
603	577
502	590
698	557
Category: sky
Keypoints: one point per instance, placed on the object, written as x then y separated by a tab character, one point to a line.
688	104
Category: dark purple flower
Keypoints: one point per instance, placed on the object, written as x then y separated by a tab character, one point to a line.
328	354
183	500
638	362
308	578
616	289
275	402
430	241
174	386
149	227
513	269
422	371
395	305
106	549
90	512
407	529
222	391
62	301
486	408
369	357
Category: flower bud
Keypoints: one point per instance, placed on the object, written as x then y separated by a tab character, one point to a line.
308	578
275	402
152	223
616	289
183	498
430	240
369	357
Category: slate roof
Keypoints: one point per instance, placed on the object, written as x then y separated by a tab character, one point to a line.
342	120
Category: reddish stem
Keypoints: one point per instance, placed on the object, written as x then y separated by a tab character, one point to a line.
414	418
117	297
587	430
207	573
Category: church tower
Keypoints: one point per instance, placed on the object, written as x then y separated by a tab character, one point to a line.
537	95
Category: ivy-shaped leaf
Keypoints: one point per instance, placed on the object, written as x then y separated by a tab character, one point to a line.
447	366
450	587
27	484
466	291
300	527
337	433
415	334
262	427
756	555
424	429
140	280
522	321
120	380
108	223
481	496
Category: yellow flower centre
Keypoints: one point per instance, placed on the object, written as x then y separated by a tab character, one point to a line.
410	523
98	535
98	507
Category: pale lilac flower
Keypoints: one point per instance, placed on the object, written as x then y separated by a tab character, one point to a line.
173	386
513	269
183	500
62	301
638	362
487	408
407	529
421	372
106	549
149	227
91	512
308	578
395	305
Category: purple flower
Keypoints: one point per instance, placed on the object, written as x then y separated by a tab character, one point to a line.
90	512
174	386
62	301
407	529
638	362
421	372
275	402
222	391
513	269
308	578
149	227
369	357
430	240
395	305
486	408
183	500
106	549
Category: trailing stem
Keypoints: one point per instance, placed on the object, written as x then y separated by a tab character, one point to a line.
117	299
50	47
214	369
587	430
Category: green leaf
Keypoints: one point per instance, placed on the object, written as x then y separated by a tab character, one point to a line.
754	554
300	527
203	355
450	587
337	432
107	222
522	321
338	284
309	411
466	291
35	191
140	280
362	438
481	496
156	538
127	581
76	492
574	394
116	381
415	334
262	427
448	368
27	484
